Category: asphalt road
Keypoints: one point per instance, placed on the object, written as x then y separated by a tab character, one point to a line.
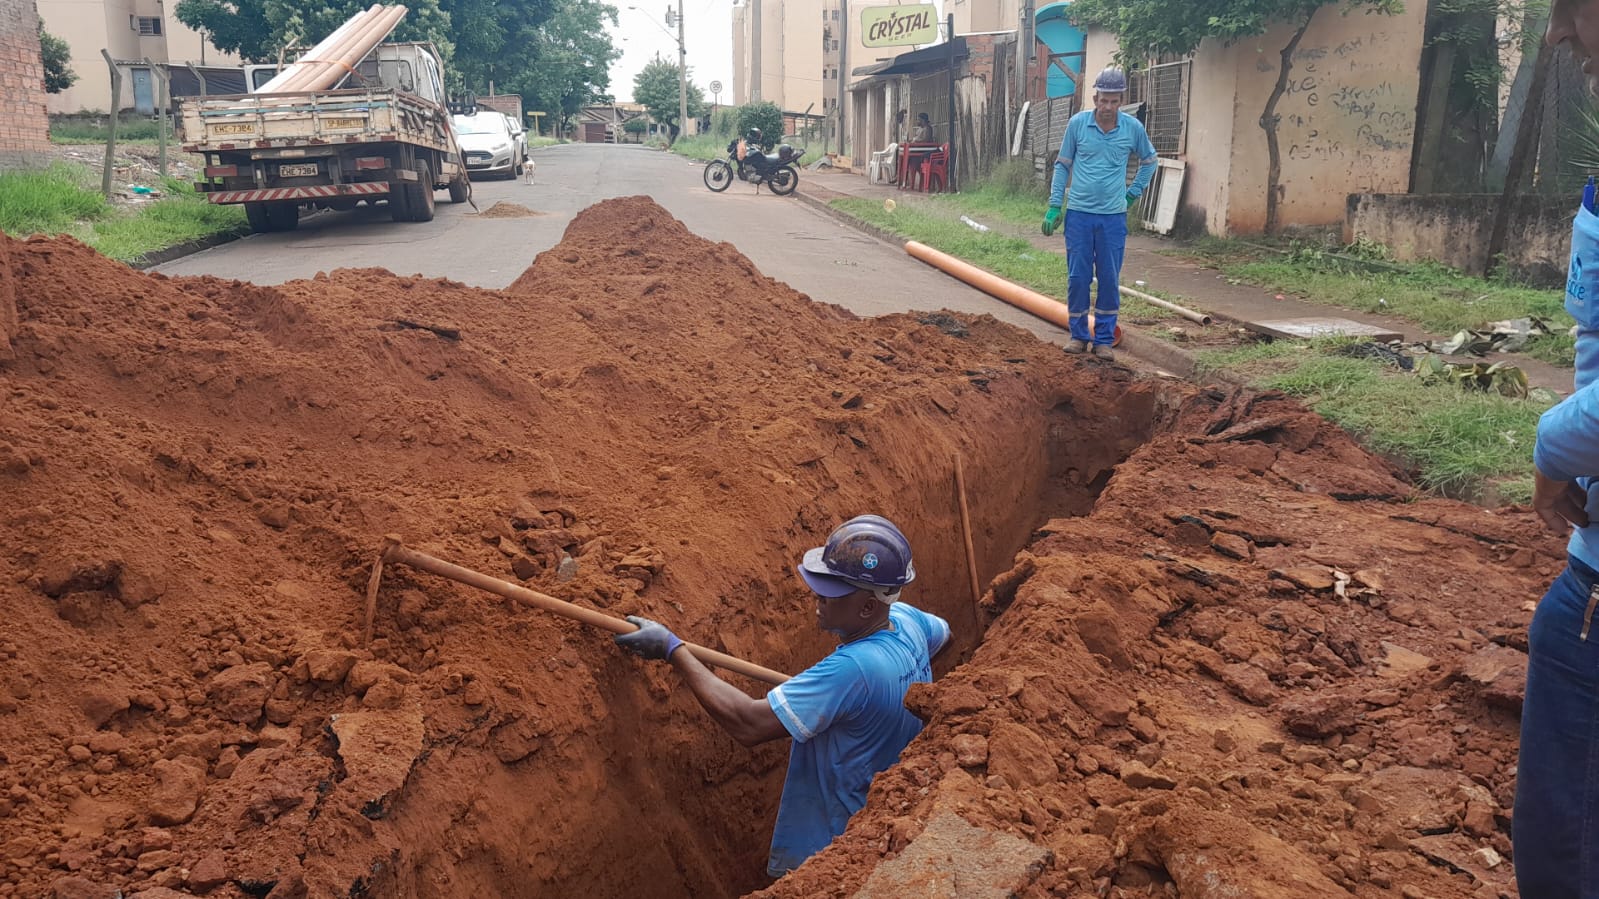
786	238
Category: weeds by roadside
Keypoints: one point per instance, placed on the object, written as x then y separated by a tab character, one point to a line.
1439	299
704	147
81	132
1466	444
59	200
534	143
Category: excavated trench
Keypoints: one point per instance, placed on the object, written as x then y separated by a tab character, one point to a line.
651	799
1241	662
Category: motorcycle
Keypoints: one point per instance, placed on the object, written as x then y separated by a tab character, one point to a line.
779	171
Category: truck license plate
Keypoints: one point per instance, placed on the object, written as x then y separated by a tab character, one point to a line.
343	124
305	170
245	128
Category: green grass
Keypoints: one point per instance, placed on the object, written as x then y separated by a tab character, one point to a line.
58	200
1439	299
180	216
536	142
703	147
1008	257
80	132
48	201
1461	443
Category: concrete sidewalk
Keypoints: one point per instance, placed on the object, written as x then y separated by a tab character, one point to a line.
1182	282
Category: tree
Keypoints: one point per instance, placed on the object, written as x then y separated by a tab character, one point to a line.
257	29
656	87
57	59
765	116
567	59
1156	27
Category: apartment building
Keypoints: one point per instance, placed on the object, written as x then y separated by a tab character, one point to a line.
801	52
130	30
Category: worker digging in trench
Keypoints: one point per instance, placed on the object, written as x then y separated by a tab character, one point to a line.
846	714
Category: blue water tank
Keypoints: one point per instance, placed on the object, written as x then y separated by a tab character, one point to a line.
1060	36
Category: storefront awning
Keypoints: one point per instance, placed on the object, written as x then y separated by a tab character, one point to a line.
916	62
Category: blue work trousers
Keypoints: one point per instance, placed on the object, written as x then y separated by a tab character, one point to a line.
1556	821
1094	248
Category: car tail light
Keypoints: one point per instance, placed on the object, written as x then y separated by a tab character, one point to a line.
221	171
372	162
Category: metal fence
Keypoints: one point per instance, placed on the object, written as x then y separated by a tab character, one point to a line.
1166	90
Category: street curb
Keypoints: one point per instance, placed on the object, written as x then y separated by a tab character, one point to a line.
187	248
1152	350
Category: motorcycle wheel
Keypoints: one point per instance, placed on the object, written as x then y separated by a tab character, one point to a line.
784	180
718	175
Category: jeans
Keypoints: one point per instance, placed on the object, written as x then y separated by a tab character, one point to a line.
1094	248
1556	819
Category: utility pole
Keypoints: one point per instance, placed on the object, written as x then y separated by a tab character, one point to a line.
755	51
843	69
682	75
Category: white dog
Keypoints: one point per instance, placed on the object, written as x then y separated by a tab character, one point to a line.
527	171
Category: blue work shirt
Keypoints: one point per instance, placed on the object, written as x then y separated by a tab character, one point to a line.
1568	435
848	719
1096	162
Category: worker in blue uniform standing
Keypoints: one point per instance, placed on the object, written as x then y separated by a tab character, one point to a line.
1093	155
1555	828
846	714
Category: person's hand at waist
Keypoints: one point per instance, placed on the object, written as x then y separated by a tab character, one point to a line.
651	641
1131	199
1051	219
1561	505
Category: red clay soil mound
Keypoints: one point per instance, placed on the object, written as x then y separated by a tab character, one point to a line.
1178	688
1225	681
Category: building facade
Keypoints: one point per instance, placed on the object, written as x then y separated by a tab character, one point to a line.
131	31
24	130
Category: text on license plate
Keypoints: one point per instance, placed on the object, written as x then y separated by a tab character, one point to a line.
297	171
245	128
343	124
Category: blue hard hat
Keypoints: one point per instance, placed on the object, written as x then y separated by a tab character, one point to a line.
865	553
1111	81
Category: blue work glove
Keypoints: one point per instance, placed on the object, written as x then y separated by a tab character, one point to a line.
1131	199
1051	219
651	641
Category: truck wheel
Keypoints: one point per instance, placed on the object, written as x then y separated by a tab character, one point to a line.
284	216
460	188
266	218
256	214
399	202
421	193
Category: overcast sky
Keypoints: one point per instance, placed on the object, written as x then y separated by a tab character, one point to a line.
707	35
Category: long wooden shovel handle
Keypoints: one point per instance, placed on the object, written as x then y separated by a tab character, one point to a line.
394	551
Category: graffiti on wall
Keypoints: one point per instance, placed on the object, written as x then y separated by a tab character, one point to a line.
1344	107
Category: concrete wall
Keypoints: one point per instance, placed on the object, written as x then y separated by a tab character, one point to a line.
24	130
1347	121
88	27
1454	229
974	16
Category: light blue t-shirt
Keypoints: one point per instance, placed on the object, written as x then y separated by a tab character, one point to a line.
848	719
1568	435
1096	162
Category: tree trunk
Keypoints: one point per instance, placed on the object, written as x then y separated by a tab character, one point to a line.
1525	147
1269	120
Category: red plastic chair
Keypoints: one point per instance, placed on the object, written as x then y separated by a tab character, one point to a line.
935	170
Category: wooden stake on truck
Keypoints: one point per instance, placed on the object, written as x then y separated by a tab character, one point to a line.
385	135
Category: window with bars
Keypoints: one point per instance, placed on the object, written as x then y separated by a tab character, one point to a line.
1166	90
146	26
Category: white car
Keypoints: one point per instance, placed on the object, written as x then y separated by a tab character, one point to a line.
518	132
488	144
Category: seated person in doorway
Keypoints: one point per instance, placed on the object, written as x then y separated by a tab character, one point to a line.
923	132
846	714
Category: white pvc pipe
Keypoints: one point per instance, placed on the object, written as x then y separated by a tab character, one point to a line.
1184	311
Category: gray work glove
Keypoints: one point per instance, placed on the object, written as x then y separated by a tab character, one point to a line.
651	641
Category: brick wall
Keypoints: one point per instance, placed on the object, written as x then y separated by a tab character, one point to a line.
24	129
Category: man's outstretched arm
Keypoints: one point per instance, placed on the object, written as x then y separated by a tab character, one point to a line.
747	720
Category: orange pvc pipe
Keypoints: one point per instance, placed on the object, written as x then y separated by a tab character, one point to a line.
1047	308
